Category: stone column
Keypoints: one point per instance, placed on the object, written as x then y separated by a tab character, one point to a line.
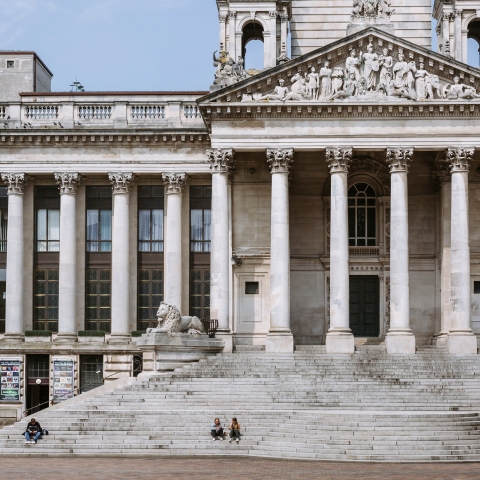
280	338
446	33
283	32
461	339
458	34
399	338
232	20
442	175
271	47
174	185
222	19
339	336
14	325
67	312
121	183
222	162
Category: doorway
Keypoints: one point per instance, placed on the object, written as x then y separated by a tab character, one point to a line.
38	382
364	306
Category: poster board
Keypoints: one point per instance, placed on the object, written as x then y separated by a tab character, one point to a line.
63	380
10	380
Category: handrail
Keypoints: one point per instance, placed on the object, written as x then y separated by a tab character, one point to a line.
75	389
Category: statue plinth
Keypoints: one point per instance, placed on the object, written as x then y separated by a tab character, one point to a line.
163	352
357	24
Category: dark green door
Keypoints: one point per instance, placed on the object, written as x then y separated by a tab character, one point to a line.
364	306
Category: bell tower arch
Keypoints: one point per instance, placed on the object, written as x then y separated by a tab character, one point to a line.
244	20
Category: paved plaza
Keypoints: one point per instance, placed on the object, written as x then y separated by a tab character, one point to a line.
238	468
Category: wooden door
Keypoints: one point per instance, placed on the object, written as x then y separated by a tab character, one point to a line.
364	306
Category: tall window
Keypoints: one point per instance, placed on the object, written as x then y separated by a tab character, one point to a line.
98	295
361	216
3	218
45	308
200	219
150	218
47	219
99	219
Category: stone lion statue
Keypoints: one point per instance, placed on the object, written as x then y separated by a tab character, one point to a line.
170	321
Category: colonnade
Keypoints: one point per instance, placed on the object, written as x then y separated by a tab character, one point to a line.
339	339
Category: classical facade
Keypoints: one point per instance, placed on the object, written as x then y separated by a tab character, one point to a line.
328	199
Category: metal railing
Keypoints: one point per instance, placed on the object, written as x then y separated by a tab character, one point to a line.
211	326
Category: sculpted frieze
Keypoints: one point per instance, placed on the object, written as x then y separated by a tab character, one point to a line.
371	75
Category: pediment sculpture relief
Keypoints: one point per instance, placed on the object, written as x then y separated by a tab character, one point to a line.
367	76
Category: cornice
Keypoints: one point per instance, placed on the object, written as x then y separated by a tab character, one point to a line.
60	138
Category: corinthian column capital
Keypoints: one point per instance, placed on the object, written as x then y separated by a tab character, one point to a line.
398	159
121	182
459	158
67	182
16	182
222	160
174	182
338	159
280	160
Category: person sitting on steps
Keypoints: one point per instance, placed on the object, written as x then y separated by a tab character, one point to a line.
234	430
33	429
216	430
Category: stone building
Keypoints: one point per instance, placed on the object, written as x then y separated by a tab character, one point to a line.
328	199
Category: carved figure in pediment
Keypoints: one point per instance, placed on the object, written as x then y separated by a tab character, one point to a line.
370	67
279	93
360	87
371	8
423	83
326	76
403	79
298	91
228	72
349	88
352	64
385	61
337	80
459	90
313	83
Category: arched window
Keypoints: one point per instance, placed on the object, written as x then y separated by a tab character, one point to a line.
362	231
253	48
473	43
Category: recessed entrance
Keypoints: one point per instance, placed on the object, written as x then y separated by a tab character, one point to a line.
364	306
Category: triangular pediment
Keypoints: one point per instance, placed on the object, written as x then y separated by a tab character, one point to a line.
353	80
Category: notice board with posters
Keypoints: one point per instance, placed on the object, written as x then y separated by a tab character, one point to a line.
63	380
10	380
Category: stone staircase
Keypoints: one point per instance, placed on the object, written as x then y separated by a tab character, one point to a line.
368	407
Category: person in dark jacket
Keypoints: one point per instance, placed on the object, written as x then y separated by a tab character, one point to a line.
216	430
33	430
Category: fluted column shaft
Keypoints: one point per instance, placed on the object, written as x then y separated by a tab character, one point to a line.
68	183
14	323
280	337
222	162
461	340
174	185
120	309
399	337
339	337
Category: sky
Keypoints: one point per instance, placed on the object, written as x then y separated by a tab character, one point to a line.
130	45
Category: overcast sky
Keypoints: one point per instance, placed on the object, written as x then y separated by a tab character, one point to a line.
119	44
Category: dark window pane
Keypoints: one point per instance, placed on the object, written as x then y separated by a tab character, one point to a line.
92	191
157	191
361	242
361	230
361	202
371	202
207	192
371	223
106	192
351	222
196	191
144	191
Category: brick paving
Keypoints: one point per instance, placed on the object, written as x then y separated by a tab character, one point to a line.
235	468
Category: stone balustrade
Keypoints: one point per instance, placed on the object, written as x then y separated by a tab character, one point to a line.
99	110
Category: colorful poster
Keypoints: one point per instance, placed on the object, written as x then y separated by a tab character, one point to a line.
62	380
10	380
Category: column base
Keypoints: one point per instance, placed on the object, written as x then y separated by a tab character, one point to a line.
227	337
66	338
279	341
14	337
340	342
441	340
462	343
400	342
120	338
